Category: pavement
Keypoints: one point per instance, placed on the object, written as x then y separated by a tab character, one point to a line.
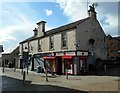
13	81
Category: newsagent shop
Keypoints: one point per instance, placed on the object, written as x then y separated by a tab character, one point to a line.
76	61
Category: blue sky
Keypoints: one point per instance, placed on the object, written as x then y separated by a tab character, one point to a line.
18	19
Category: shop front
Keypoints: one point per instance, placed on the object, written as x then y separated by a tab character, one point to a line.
64	60
68	62
83	62
74	61
50	62
59	63
38	61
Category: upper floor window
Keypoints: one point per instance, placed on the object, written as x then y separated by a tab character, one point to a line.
64	40
39	45
51	42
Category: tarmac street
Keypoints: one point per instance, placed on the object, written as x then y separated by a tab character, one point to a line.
13	81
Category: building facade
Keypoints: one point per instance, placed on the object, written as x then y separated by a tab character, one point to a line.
11	56
77	44
113	48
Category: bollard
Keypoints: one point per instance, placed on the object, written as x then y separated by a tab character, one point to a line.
46	77
66	73
14	69
27	70
22	72
3	69
105	68
23	77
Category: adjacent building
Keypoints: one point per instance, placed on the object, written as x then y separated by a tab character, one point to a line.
113	48
78	44
11	55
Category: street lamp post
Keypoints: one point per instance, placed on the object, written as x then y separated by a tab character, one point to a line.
14	67
27	68
46	75
25	58
3	67
66	73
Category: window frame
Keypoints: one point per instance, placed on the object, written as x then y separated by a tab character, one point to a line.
51	42
40	45
64	40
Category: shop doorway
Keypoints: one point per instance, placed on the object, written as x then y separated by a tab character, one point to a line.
59	65
68	63
83	65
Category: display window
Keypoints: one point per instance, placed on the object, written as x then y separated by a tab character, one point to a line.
83	65
68	64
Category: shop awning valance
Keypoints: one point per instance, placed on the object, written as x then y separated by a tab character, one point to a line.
66	57
49	58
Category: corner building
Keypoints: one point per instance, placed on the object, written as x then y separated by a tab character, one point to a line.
79	43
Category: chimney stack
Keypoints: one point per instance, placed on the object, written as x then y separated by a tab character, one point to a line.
92	12
41	28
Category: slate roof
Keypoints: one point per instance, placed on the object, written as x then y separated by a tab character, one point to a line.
118	38
10	50
57	30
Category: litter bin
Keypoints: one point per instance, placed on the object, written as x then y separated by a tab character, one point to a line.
38	70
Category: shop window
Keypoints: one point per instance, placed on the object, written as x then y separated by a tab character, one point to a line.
51	42
68	65
39	47
83	65
64	40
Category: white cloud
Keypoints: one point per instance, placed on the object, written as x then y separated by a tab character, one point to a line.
74	9
7	33
112	27
16	26
111	17
77	9
48	12
6	11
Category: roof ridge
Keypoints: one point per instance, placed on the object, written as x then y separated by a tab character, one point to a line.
58	29
10	49
69	24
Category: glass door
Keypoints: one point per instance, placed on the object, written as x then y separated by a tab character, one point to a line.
83	65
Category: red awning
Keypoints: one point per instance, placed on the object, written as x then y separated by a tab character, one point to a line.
66	57
49	58
85	57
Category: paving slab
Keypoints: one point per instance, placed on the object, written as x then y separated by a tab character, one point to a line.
12	81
